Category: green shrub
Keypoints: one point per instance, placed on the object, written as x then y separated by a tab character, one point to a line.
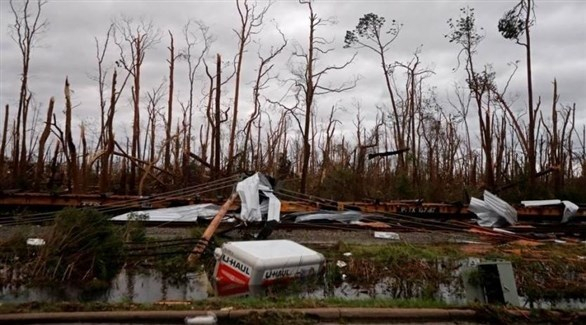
84	246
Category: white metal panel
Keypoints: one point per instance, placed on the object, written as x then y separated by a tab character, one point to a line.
188	213
346	216
538	203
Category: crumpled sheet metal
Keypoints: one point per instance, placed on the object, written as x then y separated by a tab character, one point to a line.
251	208
570	210
493	211
501	207
486	217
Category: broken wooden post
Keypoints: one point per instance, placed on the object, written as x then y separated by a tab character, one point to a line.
210	230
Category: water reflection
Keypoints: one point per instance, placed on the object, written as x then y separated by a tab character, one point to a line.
143	287
151	287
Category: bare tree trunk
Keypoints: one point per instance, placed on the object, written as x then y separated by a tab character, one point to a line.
52	184
136	121
258	151
262	77
153	110
309	92
192	66
138	38
16	139
532	111
152	136
102	74
249	22
123	176
570	158
171	62
73	172
83	175
369	34
3	144
216	131
554	147
242	40
176	152
23	151
108	139
27	25
512	26
310	79
210	126
41	152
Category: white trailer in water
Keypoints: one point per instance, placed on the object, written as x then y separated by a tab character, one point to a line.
245	264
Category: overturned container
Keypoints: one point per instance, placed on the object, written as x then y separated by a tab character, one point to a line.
251	264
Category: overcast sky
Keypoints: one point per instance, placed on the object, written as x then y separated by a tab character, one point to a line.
67	48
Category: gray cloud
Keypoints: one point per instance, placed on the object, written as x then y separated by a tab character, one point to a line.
68	49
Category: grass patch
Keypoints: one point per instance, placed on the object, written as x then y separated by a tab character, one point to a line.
218	303
389	252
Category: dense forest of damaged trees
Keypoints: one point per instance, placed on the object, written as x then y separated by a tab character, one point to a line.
531	154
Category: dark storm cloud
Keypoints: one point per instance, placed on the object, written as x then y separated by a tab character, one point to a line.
68	49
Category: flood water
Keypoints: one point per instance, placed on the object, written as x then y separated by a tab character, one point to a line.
151	287
145	287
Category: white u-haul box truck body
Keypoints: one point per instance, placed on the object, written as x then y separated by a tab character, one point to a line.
263	262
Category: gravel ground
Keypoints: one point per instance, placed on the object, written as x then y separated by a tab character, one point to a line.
303	236
6	232
364	237
331	236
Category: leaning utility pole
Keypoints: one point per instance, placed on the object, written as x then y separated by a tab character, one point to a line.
210	230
